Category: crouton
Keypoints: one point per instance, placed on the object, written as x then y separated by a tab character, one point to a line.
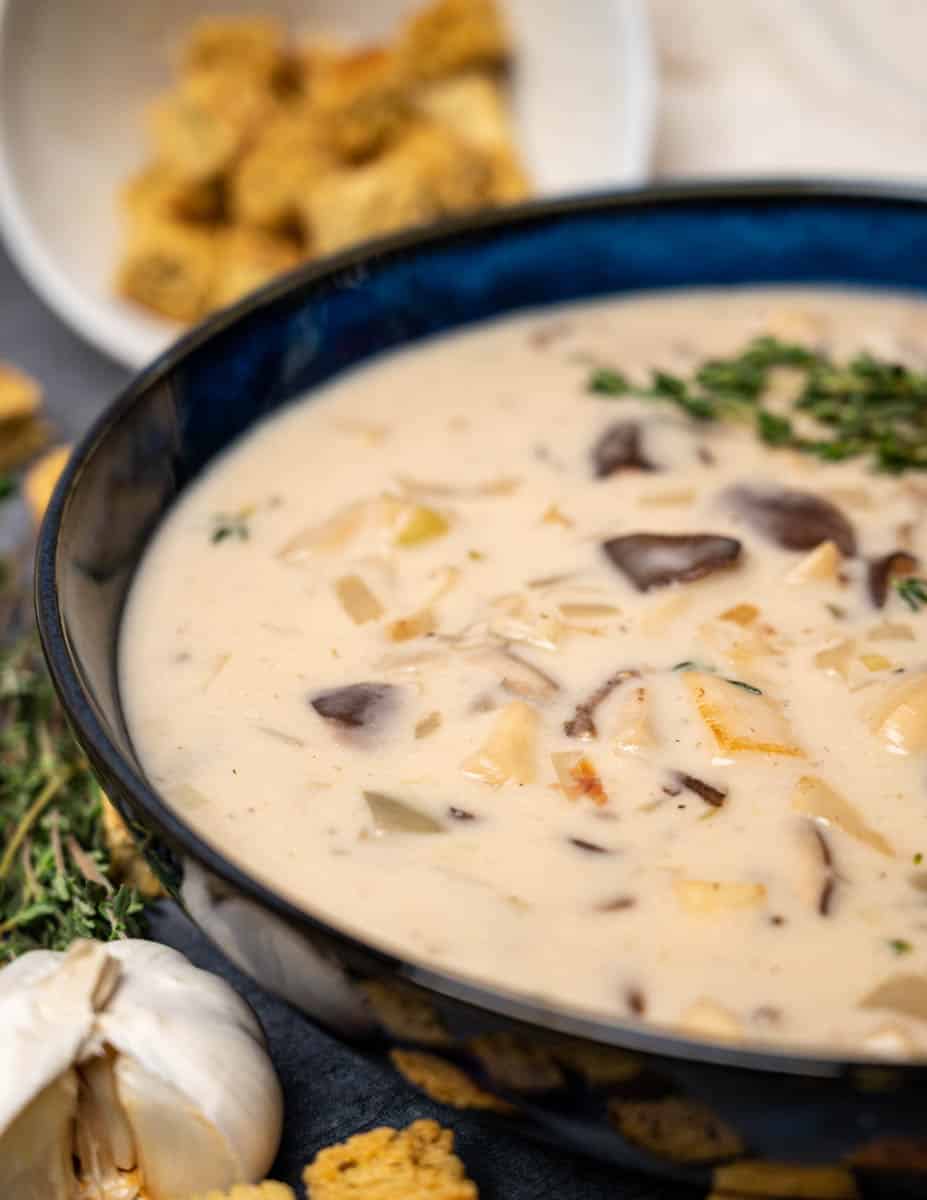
429	174
169	268
267	185
235	45
405	1013
199	130
392	1165
20	395
40	480
519	1063
360	97
251	1191
155	194
473	106
450	36
680	1130
246	260
444	1082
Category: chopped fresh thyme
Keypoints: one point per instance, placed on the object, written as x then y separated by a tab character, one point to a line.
231	526
54	883
867	406
913	592
900	946
690	665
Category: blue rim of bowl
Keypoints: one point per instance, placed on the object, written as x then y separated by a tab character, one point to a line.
66	677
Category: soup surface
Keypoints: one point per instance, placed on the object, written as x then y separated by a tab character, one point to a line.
615	699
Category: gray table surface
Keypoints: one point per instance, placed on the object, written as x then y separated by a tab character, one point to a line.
331	1091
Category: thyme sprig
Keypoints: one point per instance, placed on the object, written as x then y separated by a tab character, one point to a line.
54	881
913	592
867	406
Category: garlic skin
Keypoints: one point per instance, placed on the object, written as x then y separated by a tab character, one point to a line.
128	1056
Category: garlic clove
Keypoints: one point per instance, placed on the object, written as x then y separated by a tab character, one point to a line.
105	1141
180	1152
36	1150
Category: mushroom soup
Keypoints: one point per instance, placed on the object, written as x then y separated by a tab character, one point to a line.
581	654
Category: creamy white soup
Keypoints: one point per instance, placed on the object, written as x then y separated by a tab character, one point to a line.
583	654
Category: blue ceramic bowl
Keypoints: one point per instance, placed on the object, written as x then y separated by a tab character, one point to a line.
641	1098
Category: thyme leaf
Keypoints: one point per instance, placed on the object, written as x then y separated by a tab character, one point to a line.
913	592
866	406
54	868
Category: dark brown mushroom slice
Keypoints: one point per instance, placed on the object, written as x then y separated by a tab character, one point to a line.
616	904
794	520
355	706
461	814
619	449
706	791
882	571
652	560
582	723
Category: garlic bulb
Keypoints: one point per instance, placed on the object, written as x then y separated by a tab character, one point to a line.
128	1058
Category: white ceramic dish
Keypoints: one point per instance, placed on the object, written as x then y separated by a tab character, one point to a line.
74	77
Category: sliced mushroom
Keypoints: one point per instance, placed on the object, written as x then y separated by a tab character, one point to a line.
619	449
652	560
792	519
396	816
883	571
705	791
582	723
355	706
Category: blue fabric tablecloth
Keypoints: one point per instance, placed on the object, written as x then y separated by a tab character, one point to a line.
331	1092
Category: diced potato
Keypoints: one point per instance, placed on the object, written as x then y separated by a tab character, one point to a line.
703	897
417	625
397	816
509	751
836	658
634	731
900	720
578	777
741	722
814	798
422	525
876	662
357	600
378	512
707	1018
545	632
891	631
41	478
821	563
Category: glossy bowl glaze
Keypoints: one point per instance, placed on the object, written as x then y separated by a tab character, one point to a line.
622	1092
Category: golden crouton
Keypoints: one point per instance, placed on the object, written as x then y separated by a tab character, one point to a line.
444	1082
474	107
199	130
246	260
452	36
683	1131
519	1063
251	1191
429	174
361	99
20	395
40	480
269	182
391	1165
756	1178
155	193
405	1013
169	267
235	45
